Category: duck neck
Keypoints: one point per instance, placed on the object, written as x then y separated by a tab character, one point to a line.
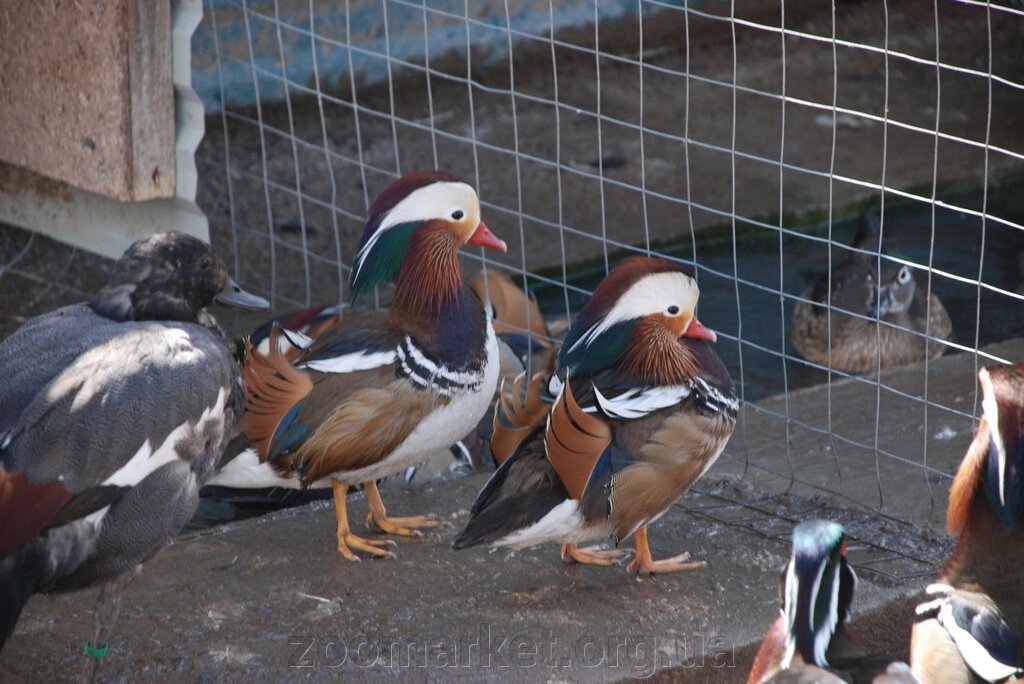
430	277
655	354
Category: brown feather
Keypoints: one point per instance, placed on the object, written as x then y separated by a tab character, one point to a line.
431	274
365	429
26	509
770	654
273	387
968	479
657	355
512	307
517	413
574	442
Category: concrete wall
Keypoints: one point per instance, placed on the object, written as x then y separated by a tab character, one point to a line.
86	94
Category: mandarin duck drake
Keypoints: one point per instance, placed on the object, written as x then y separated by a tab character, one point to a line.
113	414
861	297
810	642
637	409
972	628
240	467
382	390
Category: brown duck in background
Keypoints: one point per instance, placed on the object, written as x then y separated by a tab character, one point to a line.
810	643
640	408
380	391
891	296
524	342
518	320
973	628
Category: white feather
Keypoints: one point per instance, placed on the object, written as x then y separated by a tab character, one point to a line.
561	524
349	363
146	459
974	654
246	472
789	611
637	402
990	409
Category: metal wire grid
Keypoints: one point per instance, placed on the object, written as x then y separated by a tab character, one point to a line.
886	548
264	18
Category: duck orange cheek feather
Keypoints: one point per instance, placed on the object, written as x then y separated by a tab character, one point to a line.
697	331
485	238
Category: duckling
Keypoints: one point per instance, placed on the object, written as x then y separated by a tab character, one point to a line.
810	643
890	295
380	391
972	627
112	415
640	408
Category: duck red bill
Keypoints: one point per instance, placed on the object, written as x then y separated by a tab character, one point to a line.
697	331
485	238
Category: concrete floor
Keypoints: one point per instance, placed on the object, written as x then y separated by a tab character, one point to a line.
269	598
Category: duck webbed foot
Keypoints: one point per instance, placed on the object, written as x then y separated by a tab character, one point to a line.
646	565
349	543
378	516
593	555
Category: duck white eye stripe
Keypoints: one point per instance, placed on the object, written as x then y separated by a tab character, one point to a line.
650	294
435	201
990	409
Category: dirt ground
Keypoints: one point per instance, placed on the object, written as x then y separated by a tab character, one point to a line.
599	165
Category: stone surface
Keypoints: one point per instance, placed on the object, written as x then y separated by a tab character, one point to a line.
269	598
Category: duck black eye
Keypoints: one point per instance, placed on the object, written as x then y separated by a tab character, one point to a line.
904	276
457	214
203	262
673	310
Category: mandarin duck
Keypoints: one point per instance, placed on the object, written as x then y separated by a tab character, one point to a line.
861	296
113	414
240	467
810	643
382	390
972	627
638	408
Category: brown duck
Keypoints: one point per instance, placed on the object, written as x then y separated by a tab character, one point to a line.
860	297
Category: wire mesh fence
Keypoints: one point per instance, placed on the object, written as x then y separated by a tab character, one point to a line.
752	141
748	140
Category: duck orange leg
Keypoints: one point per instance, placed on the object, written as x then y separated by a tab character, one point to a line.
592	555
644	564
378	516
348	541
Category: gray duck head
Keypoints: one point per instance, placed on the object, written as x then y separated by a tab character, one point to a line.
169	276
